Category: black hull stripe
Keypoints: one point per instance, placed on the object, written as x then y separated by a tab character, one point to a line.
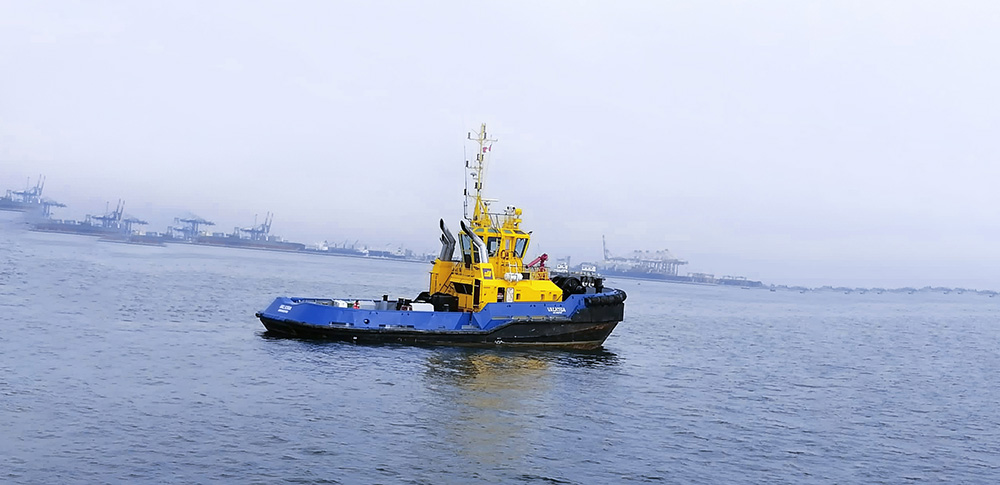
576	335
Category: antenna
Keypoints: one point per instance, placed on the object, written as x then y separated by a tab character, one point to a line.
465	192
480	215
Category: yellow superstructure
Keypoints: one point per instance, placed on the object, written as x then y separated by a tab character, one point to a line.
490	266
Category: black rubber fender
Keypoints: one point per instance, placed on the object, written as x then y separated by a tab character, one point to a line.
606	300
615	298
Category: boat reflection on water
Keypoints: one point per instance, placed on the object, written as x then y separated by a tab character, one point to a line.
500	368
486	370
502	401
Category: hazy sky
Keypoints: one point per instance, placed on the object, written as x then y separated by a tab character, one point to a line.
799	142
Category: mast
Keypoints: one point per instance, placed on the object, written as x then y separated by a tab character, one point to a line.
480	216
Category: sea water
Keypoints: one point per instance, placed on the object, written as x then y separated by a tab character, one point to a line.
132	364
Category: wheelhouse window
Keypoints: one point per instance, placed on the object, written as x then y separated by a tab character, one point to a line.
492	245
466	244
520	246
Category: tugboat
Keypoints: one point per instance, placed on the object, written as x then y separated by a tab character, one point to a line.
487	296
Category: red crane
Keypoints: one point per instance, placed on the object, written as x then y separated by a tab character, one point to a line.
540	261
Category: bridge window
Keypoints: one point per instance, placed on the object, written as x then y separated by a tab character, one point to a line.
492	244
520	246
466	244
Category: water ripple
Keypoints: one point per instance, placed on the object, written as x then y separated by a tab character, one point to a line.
132	364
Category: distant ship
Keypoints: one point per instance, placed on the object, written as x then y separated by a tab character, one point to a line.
334	250
366	252
137	238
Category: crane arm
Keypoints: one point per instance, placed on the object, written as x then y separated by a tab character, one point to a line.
540	261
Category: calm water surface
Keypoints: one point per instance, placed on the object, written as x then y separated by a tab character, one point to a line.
145	364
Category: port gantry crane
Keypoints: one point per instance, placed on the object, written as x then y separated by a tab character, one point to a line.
116	219
191	228
661	261
129	221
47	205
30	195
260	231
29	199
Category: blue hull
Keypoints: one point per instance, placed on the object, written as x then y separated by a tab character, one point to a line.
580	322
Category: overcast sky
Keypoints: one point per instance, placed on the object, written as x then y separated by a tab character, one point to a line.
800	142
